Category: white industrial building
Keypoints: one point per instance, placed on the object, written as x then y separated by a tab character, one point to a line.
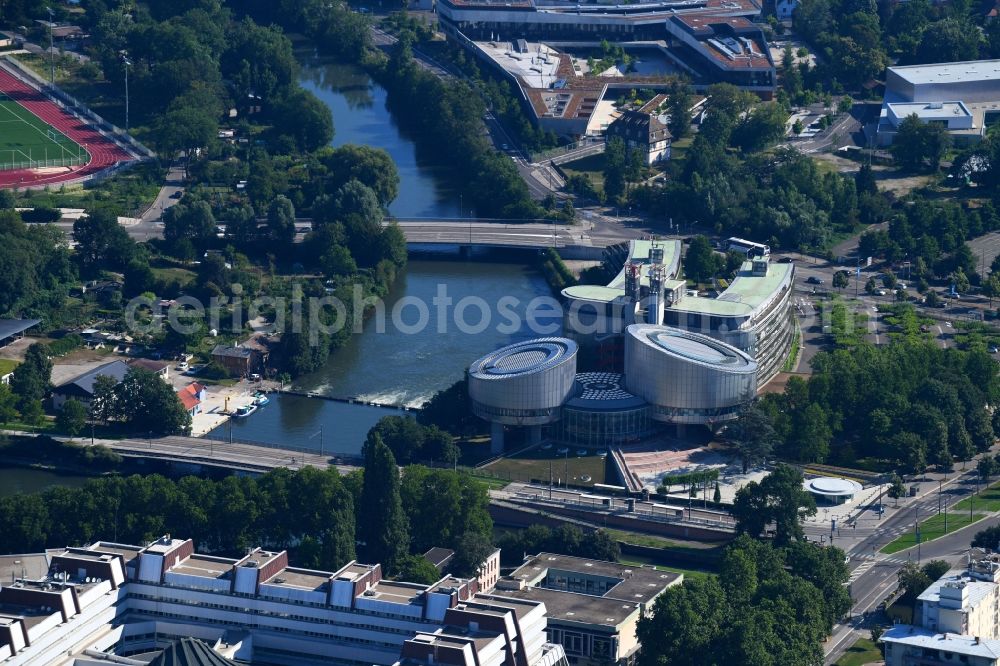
106	601
964	97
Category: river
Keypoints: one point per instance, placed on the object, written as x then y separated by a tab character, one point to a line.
360	117
24	480
389	364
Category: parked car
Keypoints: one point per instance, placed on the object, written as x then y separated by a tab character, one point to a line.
812	279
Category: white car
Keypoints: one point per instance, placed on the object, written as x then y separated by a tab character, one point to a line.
948	324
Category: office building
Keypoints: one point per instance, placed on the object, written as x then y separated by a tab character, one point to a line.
593	606
116	599
753	314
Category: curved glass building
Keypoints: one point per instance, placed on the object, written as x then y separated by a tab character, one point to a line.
687	377
602	413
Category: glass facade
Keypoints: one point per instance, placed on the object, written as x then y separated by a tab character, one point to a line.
599	429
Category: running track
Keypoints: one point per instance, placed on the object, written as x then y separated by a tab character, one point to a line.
103	152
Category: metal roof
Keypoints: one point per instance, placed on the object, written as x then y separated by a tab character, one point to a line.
85	382
190	652
9	327
949	72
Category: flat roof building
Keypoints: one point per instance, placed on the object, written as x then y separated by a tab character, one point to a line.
119	600
593	606
964	97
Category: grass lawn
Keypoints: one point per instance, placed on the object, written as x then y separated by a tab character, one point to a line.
493	482
652	541
987	500
182	276
26	139
591	166
7	365
933	528
536	463
635	561
862	652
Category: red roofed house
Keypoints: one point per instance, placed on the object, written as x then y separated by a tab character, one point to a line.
191	397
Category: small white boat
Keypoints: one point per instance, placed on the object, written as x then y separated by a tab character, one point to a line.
260	399
245	411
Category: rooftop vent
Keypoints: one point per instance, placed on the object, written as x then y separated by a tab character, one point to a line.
253	563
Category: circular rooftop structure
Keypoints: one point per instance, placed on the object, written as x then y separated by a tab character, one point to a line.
603	413
693	346
832	489
687	377
603	391
524	383
522	358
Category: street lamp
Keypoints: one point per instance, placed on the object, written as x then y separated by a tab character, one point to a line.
320	433
52	64
127	63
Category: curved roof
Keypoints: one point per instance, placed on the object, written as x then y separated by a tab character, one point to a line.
523	358
602	391
694	347
831	486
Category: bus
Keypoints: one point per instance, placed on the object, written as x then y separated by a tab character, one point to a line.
748	248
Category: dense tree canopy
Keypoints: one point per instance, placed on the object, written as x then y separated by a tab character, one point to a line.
768	607
910	403
383	527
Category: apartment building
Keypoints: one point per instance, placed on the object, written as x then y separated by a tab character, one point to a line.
958	620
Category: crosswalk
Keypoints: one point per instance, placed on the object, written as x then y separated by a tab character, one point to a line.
868	561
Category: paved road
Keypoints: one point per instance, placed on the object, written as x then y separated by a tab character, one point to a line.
237	455
873	576
150	224
528	235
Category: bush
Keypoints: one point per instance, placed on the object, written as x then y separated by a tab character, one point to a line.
65	345
41	214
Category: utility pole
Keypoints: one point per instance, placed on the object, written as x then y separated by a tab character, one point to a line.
52	52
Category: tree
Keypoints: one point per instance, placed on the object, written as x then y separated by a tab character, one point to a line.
372	167
8	404
988	538
104	405
102	243
896	488
913	581
149	404
615	161
986	468
717	495
281	220
32	412
916	142
71	418
308	118
471	551
935	569
700	261
840	280
753	436
195	222
382	525
32	377
778	498
949	40
417	569
679	111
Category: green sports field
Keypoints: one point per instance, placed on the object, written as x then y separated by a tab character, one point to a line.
26	141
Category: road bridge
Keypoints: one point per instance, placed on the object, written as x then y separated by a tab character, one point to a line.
237	456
